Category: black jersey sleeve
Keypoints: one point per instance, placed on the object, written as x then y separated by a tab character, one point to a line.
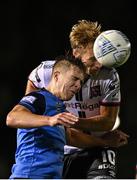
35	102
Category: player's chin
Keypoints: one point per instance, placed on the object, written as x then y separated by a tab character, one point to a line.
93	70
69	96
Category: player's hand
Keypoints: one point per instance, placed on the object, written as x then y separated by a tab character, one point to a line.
116	138
67	119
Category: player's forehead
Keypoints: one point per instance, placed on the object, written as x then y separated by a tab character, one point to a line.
83	46
78	73
81	51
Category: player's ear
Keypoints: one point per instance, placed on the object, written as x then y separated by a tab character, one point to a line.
56	75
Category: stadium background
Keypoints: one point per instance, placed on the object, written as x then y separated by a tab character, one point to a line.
31	30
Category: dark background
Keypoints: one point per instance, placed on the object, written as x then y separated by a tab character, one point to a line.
31	30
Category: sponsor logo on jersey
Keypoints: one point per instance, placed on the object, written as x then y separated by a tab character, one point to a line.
48	66
59	107
82	106
29	99
106	166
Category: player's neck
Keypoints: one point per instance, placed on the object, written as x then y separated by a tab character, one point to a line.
52	89
94	73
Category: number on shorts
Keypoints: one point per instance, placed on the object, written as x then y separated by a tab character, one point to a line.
109	155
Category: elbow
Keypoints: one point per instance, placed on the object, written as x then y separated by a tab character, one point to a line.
10	120
109	124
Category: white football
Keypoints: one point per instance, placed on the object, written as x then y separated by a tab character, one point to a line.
112	48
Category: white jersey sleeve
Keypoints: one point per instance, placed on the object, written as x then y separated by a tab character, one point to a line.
111	89
41	75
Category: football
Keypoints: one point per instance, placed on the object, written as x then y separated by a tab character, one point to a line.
112	48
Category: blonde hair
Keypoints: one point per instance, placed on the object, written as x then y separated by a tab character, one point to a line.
84	32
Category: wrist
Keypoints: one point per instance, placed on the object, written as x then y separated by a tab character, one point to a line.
47	121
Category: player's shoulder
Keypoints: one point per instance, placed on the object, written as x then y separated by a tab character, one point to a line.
108	71
46	64
32	96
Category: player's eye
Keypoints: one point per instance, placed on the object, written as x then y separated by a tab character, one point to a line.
92	58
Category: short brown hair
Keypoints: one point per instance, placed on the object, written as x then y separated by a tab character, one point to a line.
84	32
66	62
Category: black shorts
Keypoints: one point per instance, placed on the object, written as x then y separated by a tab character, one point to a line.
95	163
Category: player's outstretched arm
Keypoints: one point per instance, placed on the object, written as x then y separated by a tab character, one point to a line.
79	139
21	117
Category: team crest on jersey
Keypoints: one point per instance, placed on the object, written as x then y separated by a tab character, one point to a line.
95	91
59	107
29	99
